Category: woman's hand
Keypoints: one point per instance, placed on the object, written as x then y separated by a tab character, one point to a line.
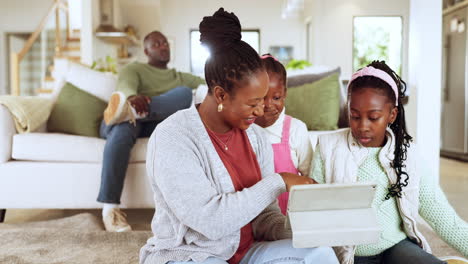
291	179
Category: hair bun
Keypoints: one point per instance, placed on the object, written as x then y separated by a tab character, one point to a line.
220	30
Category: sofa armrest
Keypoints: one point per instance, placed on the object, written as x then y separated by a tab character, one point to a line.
7	130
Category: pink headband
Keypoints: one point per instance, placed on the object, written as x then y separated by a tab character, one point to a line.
371	71
267	56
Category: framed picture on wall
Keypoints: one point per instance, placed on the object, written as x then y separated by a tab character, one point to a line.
283	53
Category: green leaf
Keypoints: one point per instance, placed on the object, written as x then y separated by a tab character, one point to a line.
298	64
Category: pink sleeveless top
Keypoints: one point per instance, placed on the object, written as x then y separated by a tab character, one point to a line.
283	161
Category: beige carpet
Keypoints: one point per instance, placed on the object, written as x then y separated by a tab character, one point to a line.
81	239
75	239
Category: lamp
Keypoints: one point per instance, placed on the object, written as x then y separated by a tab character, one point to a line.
292	8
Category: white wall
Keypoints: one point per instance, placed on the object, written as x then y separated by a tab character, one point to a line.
87	31
167	16
332	22
424	79
179	16
332	28
144	15
75	6
101	49
14	17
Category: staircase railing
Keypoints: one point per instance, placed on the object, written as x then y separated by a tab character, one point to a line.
16	57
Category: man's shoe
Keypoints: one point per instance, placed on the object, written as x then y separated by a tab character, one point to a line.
115	221
119	110
454	260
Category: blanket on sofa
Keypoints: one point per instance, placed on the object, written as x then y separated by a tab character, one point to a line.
29	112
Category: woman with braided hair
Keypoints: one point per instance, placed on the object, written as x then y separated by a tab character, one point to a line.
377	148
212	170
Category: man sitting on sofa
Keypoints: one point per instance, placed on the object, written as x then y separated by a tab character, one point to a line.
146	94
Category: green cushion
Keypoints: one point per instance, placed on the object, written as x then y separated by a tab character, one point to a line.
76	112
317	104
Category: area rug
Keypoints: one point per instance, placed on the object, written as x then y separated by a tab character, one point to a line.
438	246
76	239
81	239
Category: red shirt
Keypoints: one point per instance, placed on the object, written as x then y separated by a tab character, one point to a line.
241	163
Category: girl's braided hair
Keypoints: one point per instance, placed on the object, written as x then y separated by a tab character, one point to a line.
398	127
272	65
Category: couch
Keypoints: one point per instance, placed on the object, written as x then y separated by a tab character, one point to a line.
55	170
52	170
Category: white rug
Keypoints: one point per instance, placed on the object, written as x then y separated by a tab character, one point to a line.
81	239
76	239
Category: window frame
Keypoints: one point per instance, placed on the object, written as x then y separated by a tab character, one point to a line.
243	30
402	44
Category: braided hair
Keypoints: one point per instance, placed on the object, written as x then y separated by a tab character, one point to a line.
402	138
272	65
231	59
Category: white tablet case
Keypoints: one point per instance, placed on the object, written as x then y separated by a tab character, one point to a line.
332	215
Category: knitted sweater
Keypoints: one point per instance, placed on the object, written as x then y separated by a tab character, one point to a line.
142	78
198	212
434	208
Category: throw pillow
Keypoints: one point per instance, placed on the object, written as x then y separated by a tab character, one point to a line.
317	104
76	112
99	84
305	78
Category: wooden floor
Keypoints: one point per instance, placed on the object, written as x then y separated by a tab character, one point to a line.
453	180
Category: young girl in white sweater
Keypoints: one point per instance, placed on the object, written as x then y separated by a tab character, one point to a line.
289	137
377	148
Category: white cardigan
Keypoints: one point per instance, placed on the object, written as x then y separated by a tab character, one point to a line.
342	156
199	213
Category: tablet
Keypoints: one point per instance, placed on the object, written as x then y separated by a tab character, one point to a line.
332	215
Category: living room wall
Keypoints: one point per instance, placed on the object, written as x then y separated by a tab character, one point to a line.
178	17
425	80
332	28
143	15
15	17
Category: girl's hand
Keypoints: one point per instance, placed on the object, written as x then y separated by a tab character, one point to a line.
291	179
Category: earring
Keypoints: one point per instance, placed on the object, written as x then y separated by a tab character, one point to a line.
220	107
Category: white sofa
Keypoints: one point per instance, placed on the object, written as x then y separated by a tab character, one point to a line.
52	170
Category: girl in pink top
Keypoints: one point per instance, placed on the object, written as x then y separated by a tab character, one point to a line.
289	137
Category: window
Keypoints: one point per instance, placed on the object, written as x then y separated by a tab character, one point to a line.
377	38
199	53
